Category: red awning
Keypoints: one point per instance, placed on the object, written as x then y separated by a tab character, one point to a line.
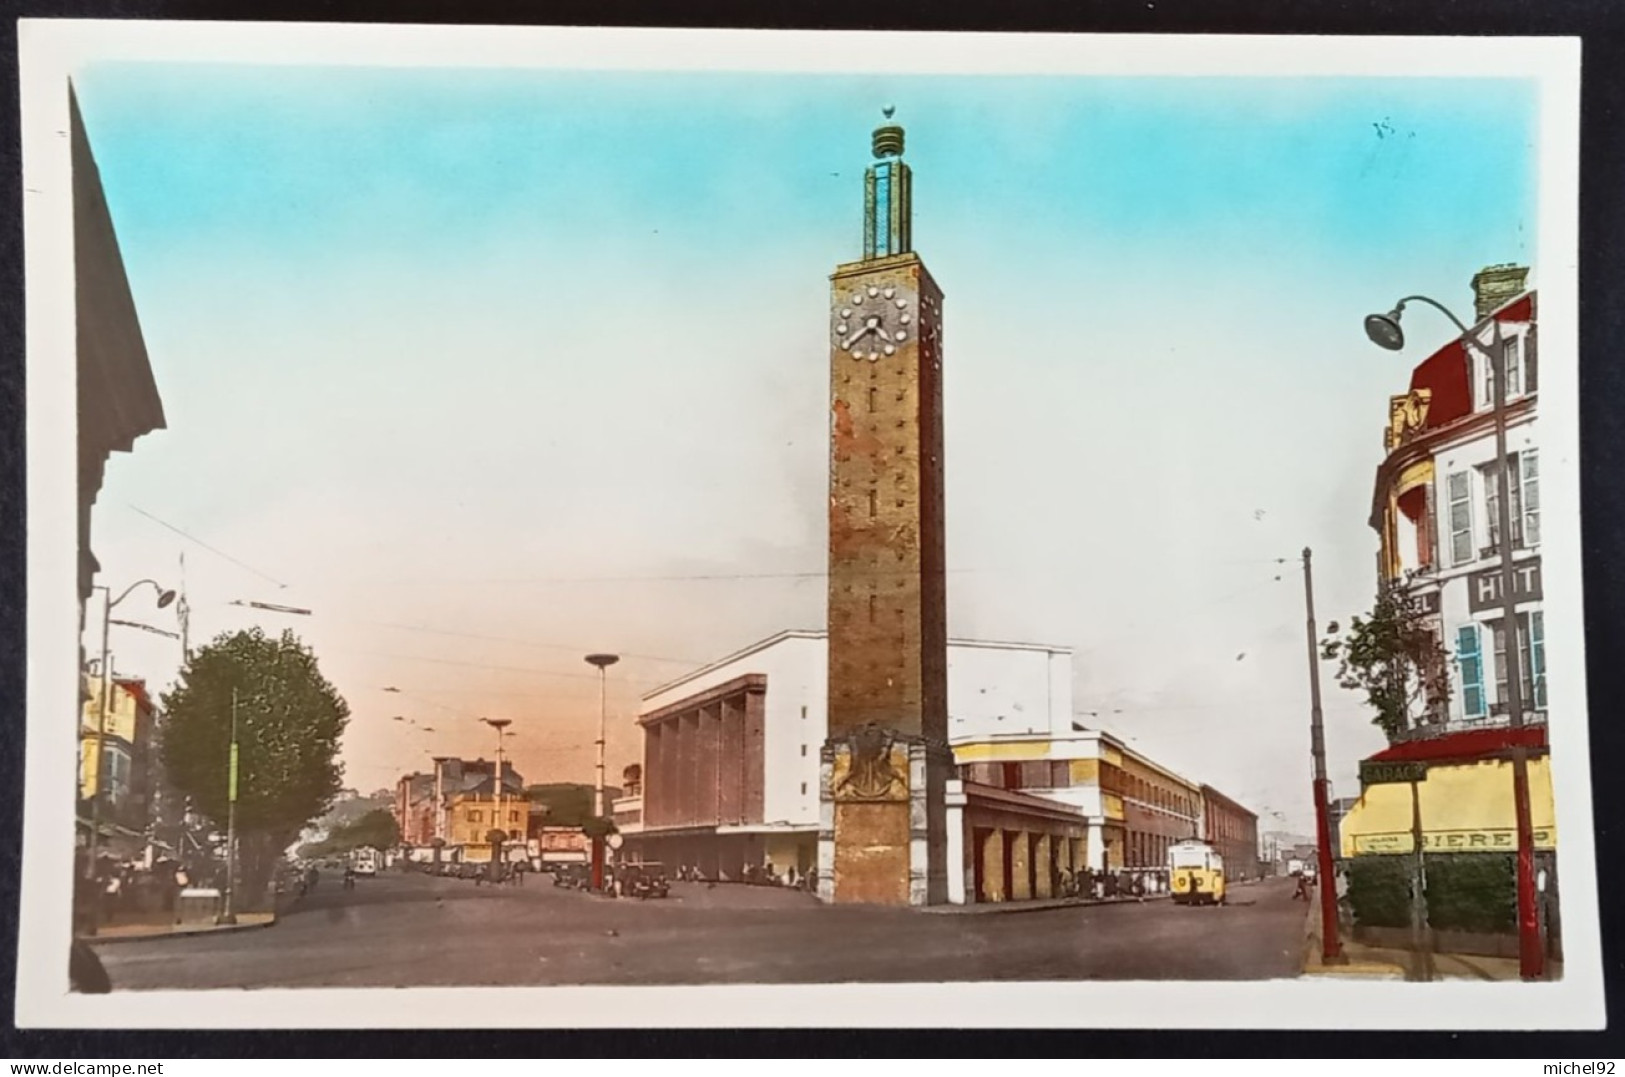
1467	745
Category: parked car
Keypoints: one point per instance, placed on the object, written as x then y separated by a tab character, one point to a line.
645	880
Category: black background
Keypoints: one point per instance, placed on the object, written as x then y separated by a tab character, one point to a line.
1601	25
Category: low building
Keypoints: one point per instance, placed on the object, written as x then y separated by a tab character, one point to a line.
1463	799
1233	831
731	772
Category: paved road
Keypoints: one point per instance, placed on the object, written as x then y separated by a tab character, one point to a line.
418	931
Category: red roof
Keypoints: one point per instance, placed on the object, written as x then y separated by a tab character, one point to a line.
1448	373
1466	745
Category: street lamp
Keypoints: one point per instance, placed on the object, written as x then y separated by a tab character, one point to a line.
1384	330
500	725
165	597
603	662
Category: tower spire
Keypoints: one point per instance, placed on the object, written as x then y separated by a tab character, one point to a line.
887	194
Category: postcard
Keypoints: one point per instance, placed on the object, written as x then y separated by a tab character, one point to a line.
778	528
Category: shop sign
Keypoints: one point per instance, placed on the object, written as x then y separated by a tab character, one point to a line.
1381	773
1452	841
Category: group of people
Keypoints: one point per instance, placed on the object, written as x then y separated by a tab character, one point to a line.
758	875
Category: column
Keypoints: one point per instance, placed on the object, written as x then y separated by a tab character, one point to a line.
731	788
1095	846
961	872
710	759
1042	856
1020	890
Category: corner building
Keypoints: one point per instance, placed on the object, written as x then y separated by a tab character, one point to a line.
883	824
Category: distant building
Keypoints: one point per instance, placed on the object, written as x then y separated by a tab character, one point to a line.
1336	812
456	800
1233	831
129	756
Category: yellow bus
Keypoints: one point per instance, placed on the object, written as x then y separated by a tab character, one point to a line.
1195	873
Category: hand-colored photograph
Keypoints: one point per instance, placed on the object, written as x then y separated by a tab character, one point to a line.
638	509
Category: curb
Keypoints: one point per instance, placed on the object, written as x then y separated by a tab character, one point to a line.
990	908
218	929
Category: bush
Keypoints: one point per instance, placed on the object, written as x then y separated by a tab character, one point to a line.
1380	890
1472	892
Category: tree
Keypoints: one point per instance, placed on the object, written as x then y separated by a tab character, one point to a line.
375	830
568	803
289	721
1394	655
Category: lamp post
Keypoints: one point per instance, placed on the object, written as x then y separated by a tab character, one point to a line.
165	597
1384	331
500	725
603	662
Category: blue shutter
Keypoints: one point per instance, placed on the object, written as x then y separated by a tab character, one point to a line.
1472	671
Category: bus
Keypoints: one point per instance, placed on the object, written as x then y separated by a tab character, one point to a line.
1195	873
366	861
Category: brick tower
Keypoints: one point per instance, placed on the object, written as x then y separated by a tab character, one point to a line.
882	832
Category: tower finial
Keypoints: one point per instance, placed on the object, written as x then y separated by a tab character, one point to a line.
888	111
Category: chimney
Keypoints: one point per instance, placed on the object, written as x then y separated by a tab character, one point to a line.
1493	286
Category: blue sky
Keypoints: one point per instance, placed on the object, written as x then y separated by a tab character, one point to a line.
467	349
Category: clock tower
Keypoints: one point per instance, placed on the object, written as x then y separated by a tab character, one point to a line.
886	763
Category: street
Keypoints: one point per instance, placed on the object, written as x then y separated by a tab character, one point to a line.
414	930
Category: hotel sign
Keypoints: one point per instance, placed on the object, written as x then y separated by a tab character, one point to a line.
1452	841
1484	588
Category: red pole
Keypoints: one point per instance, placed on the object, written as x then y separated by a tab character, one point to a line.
598	863
1531	949
1331	948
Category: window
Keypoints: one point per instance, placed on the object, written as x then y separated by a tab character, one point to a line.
1492	502
1529	468
513	817
1472	671
803	751
1461	518
873	501
474	817
1526	663
1537	656
1513	350
803	788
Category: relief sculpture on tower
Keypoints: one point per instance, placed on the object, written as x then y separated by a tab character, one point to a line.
870	765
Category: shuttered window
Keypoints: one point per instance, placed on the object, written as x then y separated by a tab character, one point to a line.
1471	664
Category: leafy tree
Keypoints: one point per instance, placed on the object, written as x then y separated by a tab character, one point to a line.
568	803
289	720
377	830
1395	657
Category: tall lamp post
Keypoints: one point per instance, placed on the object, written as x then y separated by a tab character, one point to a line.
228	913
501	726
1384	331
165	597
603	662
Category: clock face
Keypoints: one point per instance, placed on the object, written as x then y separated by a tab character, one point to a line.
873	321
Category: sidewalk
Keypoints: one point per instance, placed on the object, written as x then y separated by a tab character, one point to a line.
247	921
1390	963
1040	904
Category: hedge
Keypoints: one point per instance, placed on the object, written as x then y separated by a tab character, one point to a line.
1380	890
1465	891
1473	892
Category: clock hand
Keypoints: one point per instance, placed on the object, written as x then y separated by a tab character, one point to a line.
855	337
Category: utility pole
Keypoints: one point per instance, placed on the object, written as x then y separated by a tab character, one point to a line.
228	914
1531	949
1331	947
603	662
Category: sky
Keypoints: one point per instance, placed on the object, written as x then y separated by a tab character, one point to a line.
492	368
